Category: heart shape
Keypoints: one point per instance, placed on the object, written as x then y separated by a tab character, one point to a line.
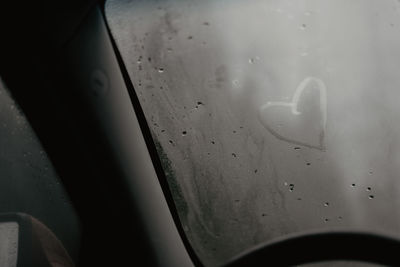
303	120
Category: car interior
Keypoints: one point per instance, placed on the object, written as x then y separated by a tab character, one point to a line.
93	173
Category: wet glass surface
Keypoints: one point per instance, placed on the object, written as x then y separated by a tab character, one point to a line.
28	180
270	117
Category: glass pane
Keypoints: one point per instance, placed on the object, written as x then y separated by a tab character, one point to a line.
270	117
28	181
9	233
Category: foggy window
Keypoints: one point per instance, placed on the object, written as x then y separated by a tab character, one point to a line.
270	117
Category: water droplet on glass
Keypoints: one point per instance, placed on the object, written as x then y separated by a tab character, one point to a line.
326	204
190	37
369	188
206	23
184	133
253	59
303	26
160	70
308	163
236	83
371	197
296	148
291	187
326	220
353	185
234	155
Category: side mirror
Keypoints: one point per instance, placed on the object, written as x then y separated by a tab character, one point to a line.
320	246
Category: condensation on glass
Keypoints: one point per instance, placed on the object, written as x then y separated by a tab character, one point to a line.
28	181
270	117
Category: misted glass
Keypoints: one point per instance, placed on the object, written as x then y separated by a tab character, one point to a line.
270	117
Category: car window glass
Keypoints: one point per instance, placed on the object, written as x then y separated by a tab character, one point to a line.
28	181
270	117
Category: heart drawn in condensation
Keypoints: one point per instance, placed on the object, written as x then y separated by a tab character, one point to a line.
303	120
